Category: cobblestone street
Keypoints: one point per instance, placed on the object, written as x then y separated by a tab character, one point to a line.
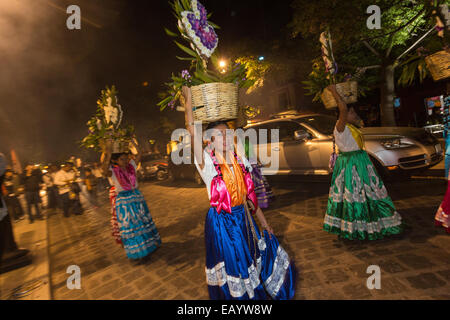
413	266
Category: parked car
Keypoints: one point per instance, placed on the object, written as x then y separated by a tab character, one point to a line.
436	130
184	171
153	165
306	143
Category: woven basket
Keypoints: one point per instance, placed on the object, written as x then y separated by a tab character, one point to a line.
439	65
120	146
348	91
215	101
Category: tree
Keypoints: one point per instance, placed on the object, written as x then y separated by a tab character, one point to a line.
404	23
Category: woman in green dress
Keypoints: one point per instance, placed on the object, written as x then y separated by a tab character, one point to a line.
359	206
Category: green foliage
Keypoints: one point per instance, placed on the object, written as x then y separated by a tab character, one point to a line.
198	71
319	79
255	71
99	130
402	24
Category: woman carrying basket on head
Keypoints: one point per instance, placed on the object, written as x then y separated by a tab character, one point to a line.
359	206
241	263
138	232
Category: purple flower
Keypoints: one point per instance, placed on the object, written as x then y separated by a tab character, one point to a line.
171	104
185	75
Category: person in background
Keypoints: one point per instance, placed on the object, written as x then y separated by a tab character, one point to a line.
12	187
31	179
101	181
90	182
446	134
138	232
9	251
359	207
262	187
65	180
49	178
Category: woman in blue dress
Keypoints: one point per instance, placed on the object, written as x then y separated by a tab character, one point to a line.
241	262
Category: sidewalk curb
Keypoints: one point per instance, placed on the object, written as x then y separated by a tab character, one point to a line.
49	278
31	282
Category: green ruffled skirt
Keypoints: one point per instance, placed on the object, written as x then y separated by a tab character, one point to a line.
359	206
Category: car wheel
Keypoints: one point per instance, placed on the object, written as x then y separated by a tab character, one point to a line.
198	178
161	175
170	176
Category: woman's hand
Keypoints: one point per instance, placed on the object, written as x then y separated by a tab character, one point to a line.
188	115
269	230
109	145
263	222
189	118
342	121
332	88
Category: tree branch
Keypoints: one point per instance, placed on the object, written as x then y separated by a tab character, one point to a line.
398	29
371	49
391	44
415	43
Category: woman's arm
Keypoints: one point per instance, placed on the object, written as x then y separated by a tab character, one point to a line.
342	121
263	222
189	118
139	152
105	159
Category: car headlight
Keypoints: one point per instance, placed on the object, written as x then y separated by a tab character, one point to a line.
397	143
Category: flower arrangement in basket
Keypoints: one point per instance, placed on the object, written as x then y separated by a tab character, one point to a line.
325	74
214	90
105	124
438	63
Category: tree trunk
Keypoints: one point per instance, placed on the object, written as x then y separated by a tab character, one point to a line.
387	96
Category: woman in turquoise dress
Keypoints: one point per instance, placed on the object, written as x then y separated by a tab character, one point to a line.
359	206
138	233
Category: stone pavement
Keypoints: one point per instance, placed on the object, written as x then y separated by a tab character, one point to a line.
30	282
414	266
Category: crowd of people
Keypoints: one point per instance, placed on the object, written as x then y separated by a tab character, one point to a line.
58	188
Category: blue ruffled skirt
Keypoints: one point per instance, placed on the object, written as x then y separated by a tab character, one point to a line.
241	267
137	229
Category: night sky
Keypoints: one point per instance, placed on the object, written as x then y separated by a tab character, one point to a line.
51	77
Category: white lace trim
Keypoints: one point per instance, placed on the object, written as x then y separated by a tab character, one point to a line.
360	225
217	276
276	279
361	191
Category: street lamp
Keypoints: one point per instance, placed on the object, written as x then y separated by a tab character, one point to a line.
222	65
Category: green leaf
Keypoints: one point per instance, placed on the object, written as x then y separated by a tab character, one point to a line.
170	33
177	7
165	101
186	4
186	49
203	76
215	26
185	59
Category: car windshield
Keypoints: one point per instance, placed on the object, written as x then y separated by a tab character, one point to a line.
323	124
